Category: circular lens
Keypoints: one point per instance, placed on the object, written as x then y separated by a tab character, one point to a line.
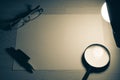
97	56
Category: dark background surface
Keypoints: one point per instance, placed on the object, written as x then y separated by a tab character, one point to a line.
11	8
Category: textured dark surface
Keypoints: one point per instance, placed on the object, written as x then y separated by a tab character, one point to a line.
9	9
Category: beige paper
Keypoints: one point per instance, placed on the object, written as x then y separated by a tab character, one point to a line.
56	42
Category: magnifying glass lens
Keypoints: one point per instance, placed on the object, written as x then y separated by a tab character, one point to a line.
96	56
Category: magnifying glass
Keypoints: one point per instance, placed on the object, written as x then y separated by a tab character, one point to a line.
96	59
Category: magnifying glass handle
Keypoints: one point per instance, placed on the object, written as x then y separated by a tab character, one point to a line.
86	75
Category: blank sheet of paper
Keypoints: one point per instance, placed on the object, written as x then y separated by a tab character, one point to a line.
56	42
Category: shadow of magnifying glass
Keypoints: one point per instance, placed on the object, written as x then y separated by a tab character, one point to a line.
96	59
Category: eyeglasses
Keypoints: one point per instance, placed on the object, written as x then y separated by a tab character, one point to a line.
18	23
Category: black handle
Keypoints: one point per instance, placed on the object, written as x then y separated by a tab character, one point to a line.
86	75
